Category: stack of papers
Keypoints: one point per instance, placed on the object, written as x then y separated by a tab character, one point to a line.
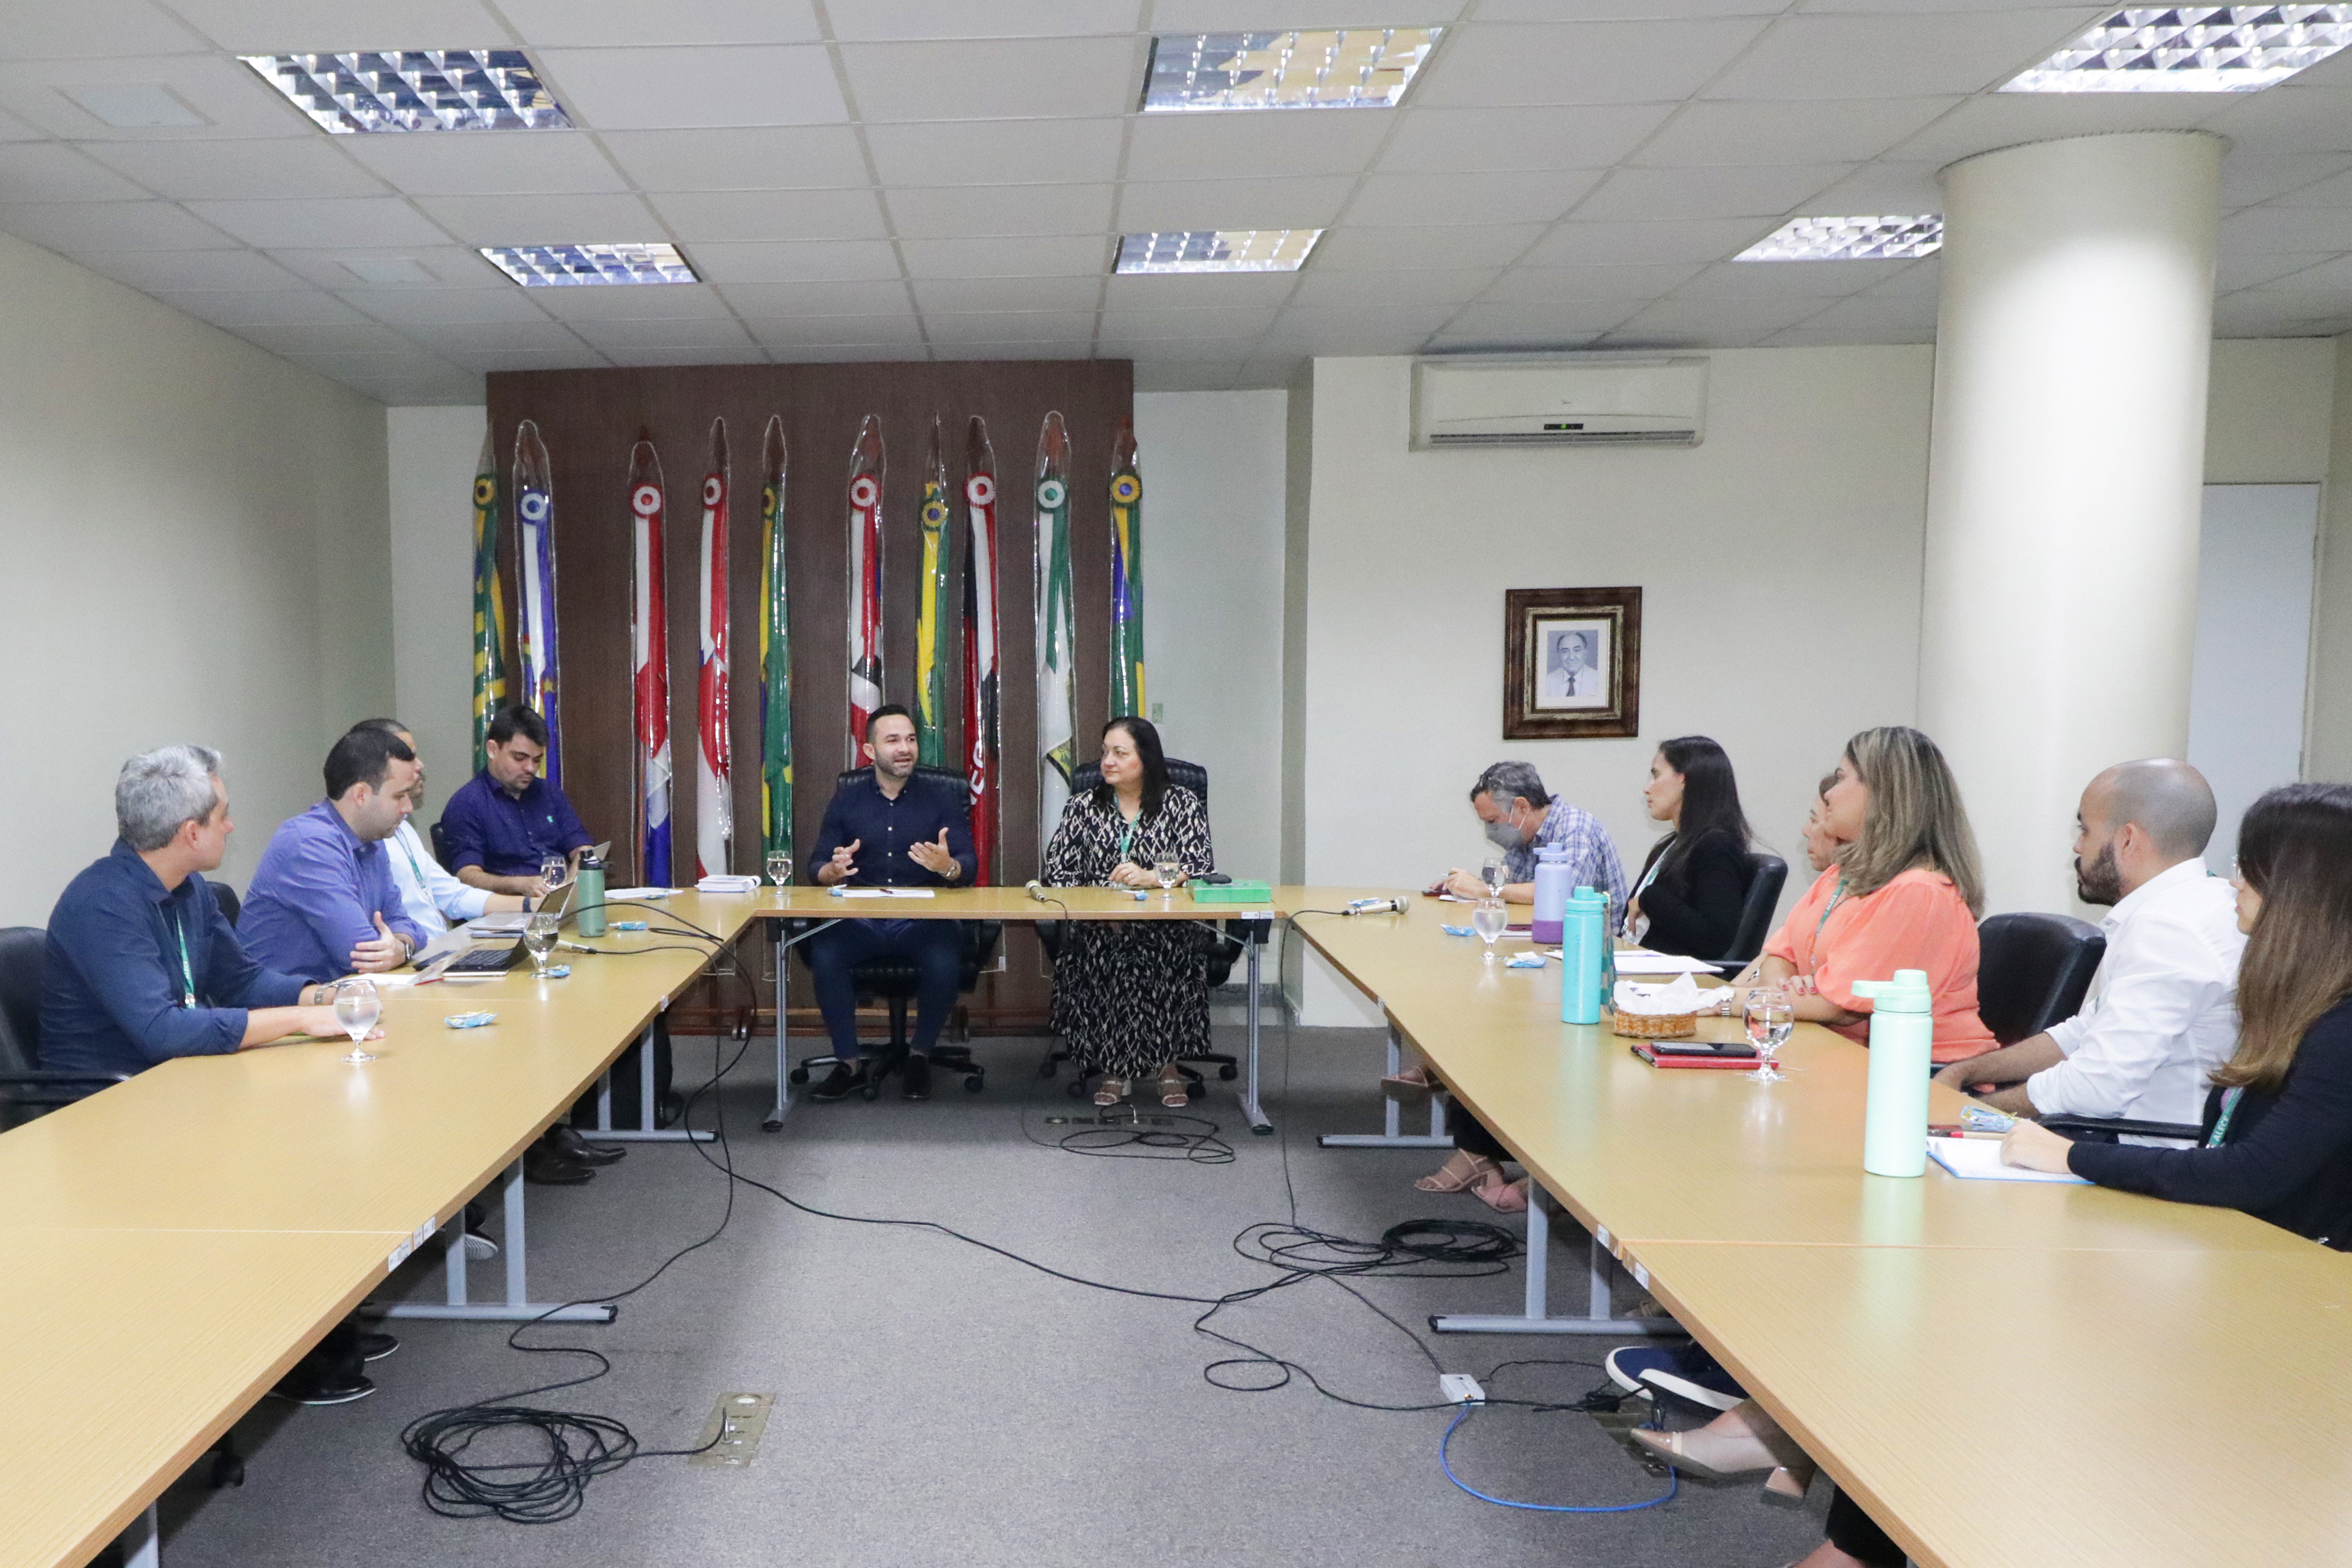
728	885
634	895
1634	961
1978	1160
884	893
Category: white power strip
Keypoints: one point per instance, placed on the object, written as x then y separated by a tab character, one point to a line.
1460	1388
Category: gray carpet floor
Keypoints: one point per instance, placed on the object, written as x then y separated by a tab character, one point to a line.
937	1405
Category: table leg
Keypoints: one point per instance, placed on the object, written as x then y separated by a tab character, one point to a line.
1391	1116
1533	1321
142	1543
517	1306
775	1117
645	1131
1250	1107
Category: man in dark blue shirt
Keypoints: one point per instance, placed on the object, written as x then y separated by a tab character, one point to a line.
889	828
505	820
141	964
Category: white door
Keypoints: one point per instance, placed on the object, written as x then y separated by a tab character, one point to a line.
2254	568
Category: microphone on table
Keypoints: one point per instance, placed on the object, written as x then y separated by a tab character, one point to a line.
1036	891
1374	907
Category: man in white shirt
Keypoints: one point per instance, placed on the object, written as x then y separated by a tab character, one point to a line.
431	896
2162	1011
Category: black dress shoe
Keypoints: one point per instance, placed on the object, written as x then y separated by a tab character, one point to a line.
375	1346
334	1390
541	1166
564	1139
846	1080
671	1106
915	1077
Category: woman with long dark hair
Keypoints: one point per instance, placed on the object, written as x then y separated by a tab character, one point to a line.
1131	997
1691	891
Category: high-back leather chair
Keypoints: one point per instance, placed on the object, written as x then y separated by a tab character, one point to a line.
894	983
26	1088
1767	874
231	906
2032	971
1231	936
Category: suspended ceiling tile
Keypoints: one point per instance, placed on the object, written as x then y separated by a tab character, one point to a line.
870	298
1176	350
1562	136
1664	195
1565	318
447	265
2334	191
1213	376
545	220
1046	348
1256	146
942	212
231	101
873	20
849	353
2330	278
325	337
1591	62
632	302
2281	228
609	24
1320	343
52	171
1593	244
2291	118
1726	321
1354	321
488	359
1275	16
1009	326
1914	54
1075	293
273	169
155	270
697	215
1536	196
1366	248
1709	133
94	30
1145	325
1630	280
1907	190
272	307
710	331
297	26
773	157
539	334
996	152
1435	285
2007	118
1180	290
73	226
695	88
1622	10
456	312
901	328
1788	280
348	221
1524	342
487	164
2292	179
993	78
793	261
1163	205
1067	256
746	352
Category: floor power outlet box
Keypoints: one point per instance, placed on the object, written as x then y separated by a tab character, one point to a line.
1460	1388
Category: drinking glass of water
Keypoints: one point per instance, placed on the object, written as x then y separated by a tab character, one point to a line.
1492	873
1771	1018
1488	919
551	872
357	1007
1170	873
779	869
539	940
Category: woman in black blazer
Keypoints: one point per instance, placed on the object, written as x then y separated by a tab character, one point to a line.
1691	889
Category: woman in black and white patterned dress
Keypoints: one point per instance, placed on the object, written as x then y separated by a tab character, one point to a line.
1130	996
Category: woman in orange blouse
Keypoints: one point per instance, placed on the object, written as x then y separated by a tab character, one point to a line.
1905	894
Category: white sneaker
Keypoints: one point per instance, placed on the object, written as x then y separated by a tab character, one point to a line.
480	1249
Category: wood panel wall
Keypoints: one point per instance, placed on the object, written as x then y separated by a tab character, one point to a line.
591	420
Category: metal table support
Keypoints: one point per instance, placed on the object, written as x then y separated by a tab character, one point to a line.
774	1121
645	1132
1256	931
517	1306
1600	1268
1392	1115
142	1543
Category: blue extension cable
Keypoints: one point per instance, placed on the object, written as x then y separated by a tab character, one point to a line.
1674	1483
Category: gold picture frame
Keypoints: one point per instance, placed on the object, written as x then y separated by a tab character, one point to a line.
1572	663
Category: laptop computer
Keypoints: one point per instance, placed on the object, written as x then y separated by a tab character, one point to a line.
512	924
498	959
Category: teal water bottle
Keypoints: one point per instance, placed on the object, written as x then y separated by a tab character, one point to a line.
1583	933
1902	1045
588	899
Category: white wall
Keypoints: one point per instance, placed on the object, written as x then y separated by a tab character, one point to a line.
2328	753
196	548
434	452
2247	688
1213	464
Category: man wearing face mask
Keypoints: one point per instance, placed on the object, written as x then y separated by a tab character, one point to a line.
2162	1010
1520	818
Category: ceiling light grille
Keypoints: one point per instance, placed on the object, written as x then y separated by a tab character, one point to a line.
414	89
1354	68
2193	49
1849	239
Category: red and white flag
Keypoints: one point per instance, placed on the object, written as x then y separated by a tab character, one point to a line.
713	799
865	473
649	664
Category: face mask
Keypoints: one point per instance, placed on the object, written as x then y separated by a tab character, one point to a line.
1502	835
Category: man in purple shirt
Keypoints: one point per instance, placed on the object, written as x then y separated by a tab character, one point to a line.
323	902
506	820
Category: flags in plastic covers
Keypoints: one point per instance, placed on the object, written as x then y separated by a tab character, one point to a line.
775	656
1057	631
490	606
865	474
1125	576
713	803
931	613
649	662
535	547
979	648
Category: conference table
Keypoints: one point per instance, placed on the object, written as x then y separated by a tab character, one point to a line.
175	1244
2006	1374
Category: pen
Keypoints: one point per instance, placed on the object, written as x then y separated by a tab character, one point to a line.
1947	1130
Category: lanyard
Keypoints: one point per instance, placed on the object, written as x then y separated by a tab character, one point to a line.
412	864
2230	1097
1657	865
1827	911
187	971
1127	838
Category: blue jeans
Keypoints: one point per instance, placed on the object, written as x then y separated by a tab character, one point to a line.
934	947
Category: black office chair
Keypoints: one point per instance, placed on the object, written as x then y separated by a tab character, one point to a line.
2032	971
440	844
1230	940
231	906
26	1088
1767	874
894	984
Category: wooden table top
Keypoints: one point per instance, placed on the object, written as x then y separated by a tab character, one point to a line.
2016	1409
133	1351
998	904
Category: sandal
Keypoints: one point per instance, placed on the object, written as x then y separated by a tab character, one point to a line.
1174	1092
1502	1197
1112	1092
1461	1171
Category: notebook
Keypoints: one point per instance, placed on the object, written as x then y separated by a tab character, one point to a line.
1978	1160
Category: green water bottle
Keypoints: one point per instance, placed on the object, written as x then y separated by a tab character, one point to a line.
588	899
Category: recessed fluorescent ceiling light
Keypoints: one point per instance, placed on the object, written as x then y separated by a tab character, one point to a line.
564	266
1356	67
1848	239
1217	250
414	89
2193	49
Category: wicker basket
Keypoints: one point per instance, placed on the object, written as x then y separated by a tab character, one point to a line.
1654	1026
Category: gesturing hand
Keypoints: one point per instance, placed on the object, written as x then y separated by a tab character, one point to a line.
1463	885
935	858
381	952
842	866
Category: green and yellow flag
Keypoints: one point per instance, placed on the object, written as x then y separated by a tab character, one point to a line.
931	614
775	659
490	606
1125	576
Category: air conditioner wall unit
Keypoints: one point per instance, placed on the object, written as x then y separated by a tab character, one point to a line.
1549	401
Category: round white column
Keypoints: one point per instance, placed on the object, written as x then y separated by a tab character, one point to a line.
2065	470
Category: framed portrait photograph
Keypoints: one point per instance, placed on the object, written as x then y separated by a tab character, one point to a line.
1572	663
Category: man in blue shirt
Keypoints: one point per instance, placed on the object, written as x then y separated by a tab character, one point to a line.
889	828
322	903
505	820
141	964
